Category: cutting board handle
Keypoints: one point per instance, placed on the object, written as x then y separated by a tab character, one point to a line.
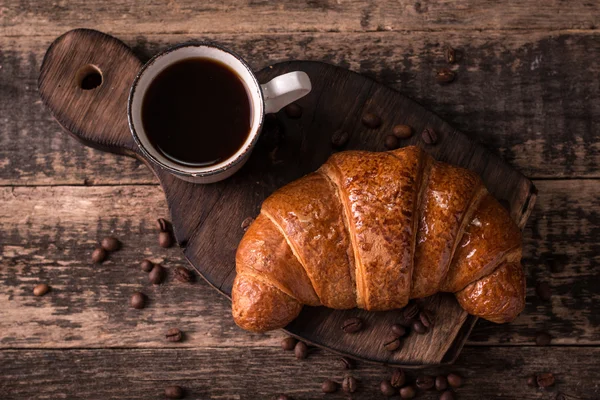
84	80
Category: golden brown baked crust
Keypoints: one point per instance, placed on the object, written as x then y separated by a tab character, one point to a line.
373	230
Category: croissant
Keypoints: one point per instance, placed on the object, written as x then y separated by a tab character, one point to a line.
374	230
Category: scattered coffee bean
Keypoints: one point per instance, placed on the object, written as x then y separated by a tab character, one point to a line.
339	139
545	380
138	300
447	395
426	319
410	311
283	397
371	120
391	142
349	384
246	223
110	243
165	240
147	265
425	382
543	291
387	389
289	343
429	136
392	343
352	325
450	55
418	327
293	110
398	330
182	274
329	386
441	383
532	381
98	255
454	380
398	378
163	225
408	392
157	274
402	131
174	335
41	289
543	339
444	75
301	350
174	392
346	363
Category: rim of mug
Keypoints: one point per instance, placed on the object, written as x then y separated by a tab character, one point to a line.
238	156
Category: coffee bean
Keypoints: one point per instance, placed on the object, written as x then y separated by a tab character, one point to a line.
349	384
426	319
138	300
543	291
293	110
352	325
329	386
246	223
444	75
441	383
425	382
391	142
339	139
165	240
163	225
182	274
157	274
98	255
543	339
147	265
398	378
408	392
387	389
41	289
410	311
545	380
532	381
174	335
450	55
392	343
371	120
346	363
447	395
283	397
301	350
454	380
402	131
429	136
398	330
418	327
174	392
110	243
288	343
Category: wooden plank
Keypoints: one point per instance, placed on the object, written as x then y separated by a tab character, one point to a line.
263	373
48	233
534	98
188	16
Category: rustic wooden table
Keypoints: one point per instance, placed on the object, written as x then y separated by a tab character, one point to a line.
528	87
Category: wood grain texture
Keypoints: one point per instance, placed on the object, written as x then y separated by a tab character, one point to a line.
531	97
87	306
262	373
187	16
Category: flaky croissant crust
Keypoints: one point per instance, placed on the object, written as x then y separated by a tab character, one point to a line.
374	230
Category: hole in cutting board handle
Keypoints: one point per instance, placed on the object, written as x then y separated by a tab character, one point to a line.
88	77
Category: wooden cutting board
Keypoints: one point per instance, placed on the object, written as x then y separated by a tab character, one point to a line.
207	218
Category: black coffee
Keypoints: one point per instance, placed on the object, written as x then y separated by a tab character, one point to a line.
196	112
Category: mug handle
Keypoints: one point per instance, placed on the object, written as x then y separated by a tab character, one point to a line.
285	89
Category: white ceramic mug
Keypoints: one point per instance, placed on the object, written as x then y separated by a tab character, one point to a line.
267	98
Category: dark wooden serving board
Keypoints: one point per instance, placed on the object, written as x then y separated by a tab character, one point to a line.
207	218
